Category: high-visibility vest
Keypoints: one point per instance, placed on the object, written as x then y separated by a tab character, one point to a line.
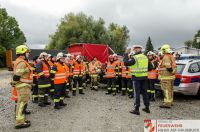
45	69
153	73
140	68
92	68
167	61
29	79
14	94
110	70
60	75
78	68
128	73
68	70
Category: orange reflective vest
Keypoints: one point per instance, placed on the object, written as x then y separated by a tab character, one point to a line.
29	79
153	74
78	68
14	94
45	70
61	73
110	70
126	71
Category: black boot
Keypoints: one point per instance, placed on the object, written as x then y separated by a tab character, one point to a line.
74	93
152	97
35	100
62	103
25	125
41	102
146	109
46	100
135	111
57	105
123	92
109	92
81	91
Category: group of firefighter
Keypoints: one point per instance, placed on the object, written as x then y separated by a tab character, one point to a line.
58	76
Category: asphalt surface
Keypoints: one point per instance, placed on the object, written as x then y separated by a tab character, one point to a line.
92	112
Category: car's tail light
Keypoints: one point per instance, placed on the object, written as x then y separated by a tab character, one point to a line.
185	79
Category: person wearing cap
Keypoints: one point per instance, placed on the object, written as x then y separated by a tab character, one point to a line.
152	75
78	72
22	81
166	75
139	69
60	79
44	81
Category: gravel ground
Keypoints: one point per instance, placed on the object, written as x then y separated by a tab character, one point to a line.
92	112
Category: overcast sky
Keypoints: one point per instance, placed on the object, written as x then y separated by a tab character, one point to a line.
166	21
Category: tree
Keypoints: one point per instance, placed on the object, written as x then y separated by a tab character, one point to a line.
195	44
80	28
149	46
10	33
188	43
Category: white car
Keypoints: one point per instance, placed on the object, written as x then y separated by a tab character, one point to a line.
187	80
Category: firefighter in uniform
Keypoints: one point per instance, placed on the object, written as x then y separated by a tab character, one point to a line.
85	71
93	72
152	75
68	74
51	61
78	70
166	75
60	80
118	73
22	80
35	77
111	76
139	68
44	81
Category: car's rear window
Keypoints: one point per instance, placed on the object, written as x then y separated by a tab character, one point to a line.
180	68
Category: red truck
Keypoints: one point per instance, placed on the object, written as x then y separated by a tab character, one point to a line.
100	51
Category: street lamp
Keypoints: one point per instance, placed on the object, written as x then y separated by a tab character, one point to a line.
198	42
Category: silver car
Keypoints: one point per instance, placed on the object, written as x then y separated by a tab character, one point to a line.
187	80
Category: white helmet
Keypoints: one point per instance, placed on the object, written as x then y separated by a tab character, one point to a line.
42	55
137	46
49	55
160	53
59	55
115	55
68	55
171	51
77	57
151	53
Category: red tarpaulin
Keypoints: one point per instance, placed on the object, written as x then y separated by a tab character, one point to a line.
101	51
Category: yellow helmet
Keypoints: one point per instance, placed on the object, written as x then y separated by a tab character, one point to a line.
21	49
165	48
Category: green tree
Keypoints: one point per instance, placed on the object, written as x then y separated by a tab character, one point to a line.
195	44
10	33
80	28
149	46
188	43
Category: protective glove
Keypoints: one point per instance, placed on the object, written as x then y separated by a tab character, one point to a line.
169	69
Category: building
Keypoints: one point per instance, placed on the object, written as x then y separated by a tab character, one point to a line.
187	50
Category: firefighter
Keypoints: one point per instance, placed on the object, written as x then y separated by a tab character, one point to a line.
93	71
85	71
166	75
35	84
69	74
123	70
44	81
22	80
51	61
78	75
118	73
60	80
111	75
139	68
152	75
